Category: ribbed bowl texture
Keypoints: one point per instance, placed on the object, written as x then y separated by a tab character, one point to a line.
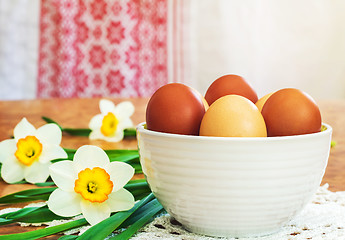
233	187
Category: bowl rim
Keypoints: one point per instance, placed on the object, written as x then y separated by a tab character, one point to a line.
140	128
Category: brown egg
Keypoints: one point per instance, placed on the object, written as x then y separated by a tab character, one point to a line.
230	84
260	103
175	108
290	111
233	116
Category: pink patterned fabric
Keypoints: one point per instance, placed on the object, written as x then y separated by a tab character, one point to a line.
92	48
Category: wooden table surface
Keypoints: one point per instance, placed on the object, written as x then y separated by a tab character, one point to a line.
76	113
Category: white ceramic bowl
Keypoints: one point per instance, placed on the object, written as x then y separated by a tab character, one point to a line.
233	187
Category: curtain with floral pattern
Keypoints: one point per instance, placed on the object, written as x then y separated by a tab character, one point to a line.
91	48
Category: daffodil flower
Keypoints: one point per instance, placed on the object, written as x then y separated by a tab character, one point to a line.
28	156
110	123
91	185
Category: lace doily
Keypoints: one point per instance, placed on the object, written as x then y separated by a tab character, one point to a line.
323	218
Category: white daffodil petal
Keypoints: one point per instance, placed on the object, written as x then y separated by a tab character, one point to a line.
37	172
125	109
7	149
96	134
12	171
125	123
106	106
49	133
63	175
89	156
64	204
116	138
96	121
121	200
120	173
23	129
95	212
51	152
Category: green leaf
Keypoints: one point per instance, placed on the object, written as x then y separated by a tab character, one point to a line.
49	120
45	184
19	182
68	237
121	151
71	131
137	184
138	214
85	132
27	195
42	214
137	167
4	221
30	215
20	213
138	189
124	158
59	160
140	219
10	217
45	231
130	132
107	226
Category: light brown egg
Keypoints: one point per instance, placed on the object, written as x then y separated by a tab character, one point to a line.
175	108
260	103
291	111
205	103
202	98
230	84
233	116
